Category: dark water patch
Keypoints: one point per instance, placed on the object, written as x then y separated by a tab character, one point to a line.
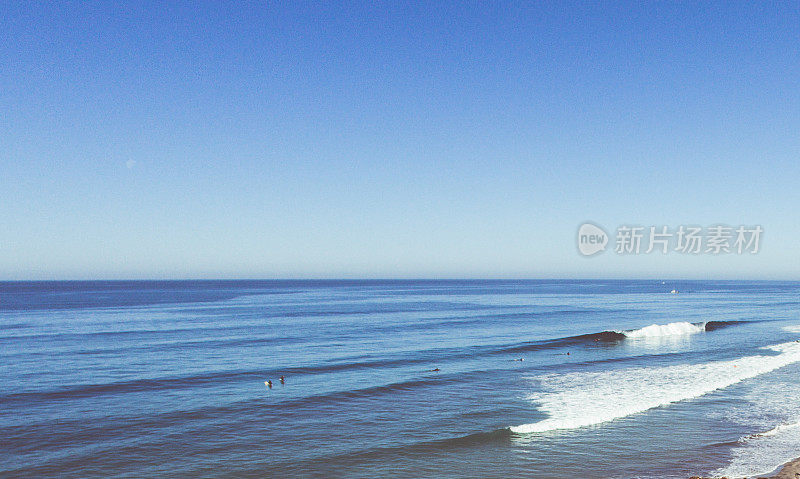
583	339
715	325
121	387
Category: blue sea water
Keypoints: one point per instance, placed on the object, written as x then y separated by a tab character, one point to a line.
539	378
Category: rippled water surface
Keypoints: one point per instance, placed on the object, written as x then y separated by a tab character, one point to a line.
546	379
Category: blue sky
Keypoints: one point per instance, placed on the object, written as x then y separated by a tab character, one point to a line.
287	139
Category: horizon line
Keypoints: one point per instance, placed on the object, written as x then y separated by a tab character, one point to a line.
310	279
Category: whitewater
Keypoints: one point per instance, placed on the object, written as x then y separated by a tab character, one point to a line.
583	399
671	329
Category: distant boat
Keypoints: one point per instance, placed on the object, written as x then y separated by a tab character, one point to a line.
674	291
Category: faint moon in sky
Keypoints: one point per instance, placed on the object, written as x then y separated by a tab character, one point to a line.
130	164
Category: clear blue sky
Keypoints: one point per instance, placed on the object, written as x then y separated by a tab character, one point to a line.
288	139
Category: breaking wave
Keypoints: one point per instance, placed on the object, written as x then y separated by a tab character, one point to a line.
582	399
652	331
671	329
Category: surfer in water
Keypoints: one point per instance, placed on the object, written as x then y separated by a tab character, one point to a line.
268	383
283	380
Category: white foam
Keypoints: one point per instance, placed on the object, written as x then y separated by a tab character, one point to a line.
792	329
775	431
583	399
771	406
671	329
762	453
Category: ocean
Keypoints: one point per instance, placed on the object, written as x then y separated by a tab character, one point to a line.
478	379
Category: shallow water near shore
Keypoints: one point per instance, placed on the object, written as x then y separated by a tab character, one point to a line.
539	378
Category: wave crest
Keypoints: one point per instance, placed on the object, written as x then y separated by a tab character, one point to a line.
671	329
582	399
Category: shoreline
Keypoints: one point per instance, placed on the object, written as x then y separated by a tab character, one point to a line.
790	470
